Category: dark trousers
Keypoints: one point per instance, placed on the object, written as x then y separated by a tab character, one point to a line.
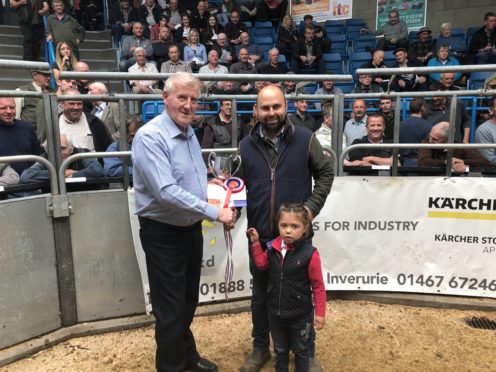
33	37
318	65
291	335
383	44
259	311
173	259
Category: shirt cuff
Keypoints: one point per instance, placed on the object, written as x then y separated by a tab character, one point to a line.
212	212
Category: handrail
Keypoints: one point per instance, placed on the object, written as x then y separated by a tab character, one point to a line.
452	146
208	77
124	154
24	65
423	70
85	155
49	166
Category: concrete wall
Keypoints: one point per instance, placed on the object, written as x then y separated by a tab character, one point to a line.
462	13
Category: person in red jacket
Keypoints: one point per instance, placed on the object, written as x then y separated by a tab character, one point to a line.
295	275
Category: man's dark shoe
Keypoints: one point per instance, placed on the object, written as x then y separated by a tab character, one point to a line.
255	360
203	365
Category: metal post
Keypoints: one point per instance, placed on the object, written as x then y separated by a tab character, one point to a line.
396	135
234	123
451	134
123	143
50	149
62	234
55	137
338	132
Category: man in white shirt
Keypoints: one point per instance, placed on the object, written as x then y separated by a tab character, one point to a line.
141	66
85	130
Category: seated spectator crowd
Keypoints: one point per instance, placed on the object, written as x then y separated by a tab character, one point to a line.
170	36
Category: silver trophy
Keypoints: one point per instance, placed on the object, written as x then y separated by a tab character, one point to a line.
223	166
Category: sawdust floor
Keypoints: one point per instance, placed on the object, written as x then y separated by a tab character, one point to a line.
359	336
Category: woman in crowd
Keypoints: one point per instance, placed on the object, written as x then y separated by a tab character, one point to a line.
445	38
182	32
286	36
65	60
195	53
209	35
443	59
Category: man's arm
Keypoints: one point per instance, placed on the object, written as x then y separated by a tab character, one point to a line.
485	136
465	123
425	159
35	174
8	176
161	182
92	169
320	166
403	30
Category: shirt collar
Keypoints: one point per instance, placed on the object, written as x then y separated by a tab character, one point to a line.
174	129
72	122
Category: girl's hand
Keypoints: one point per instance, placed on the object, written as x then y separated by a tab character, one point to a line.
319	323
253	235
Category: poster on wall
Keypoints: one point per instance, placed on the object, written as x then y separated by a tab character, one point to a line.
413	12
321	10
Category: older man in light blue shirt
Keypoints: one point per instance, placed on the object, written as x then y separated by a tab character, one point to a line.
355	127
170	181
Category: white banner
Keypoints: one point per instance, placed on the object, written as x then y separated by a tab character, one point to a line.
321	10
409	234
399	234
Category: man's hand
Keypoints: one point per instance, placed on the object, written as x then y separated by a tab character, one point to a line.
303	59
458	165
49	37
216	181
227	216
69	173
252	234
401	83
310	213
319	322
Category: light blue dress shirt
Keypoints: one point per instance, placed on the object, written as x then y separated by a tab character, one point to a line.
170	176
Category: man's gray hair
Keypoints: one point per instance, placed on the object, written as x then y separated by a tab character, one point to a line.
442	128
446	25
186	78
100	86
68	139
138	49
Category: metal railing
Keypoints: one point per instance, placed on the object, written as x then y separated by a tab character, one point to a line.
397	146
34	158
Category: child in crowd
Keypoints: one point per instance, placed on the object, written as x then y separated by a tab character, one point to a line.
295	274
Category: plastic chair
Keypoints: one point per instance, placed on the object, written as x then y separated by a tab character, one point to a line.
263	29
476	79
333	63
361	42
340	45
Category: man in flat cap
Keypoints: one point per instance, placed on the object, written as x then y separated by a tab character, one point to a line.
421	50
26	106
407	82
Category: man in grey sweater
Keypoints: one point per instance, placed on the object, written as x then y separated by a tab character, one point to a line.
395	33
